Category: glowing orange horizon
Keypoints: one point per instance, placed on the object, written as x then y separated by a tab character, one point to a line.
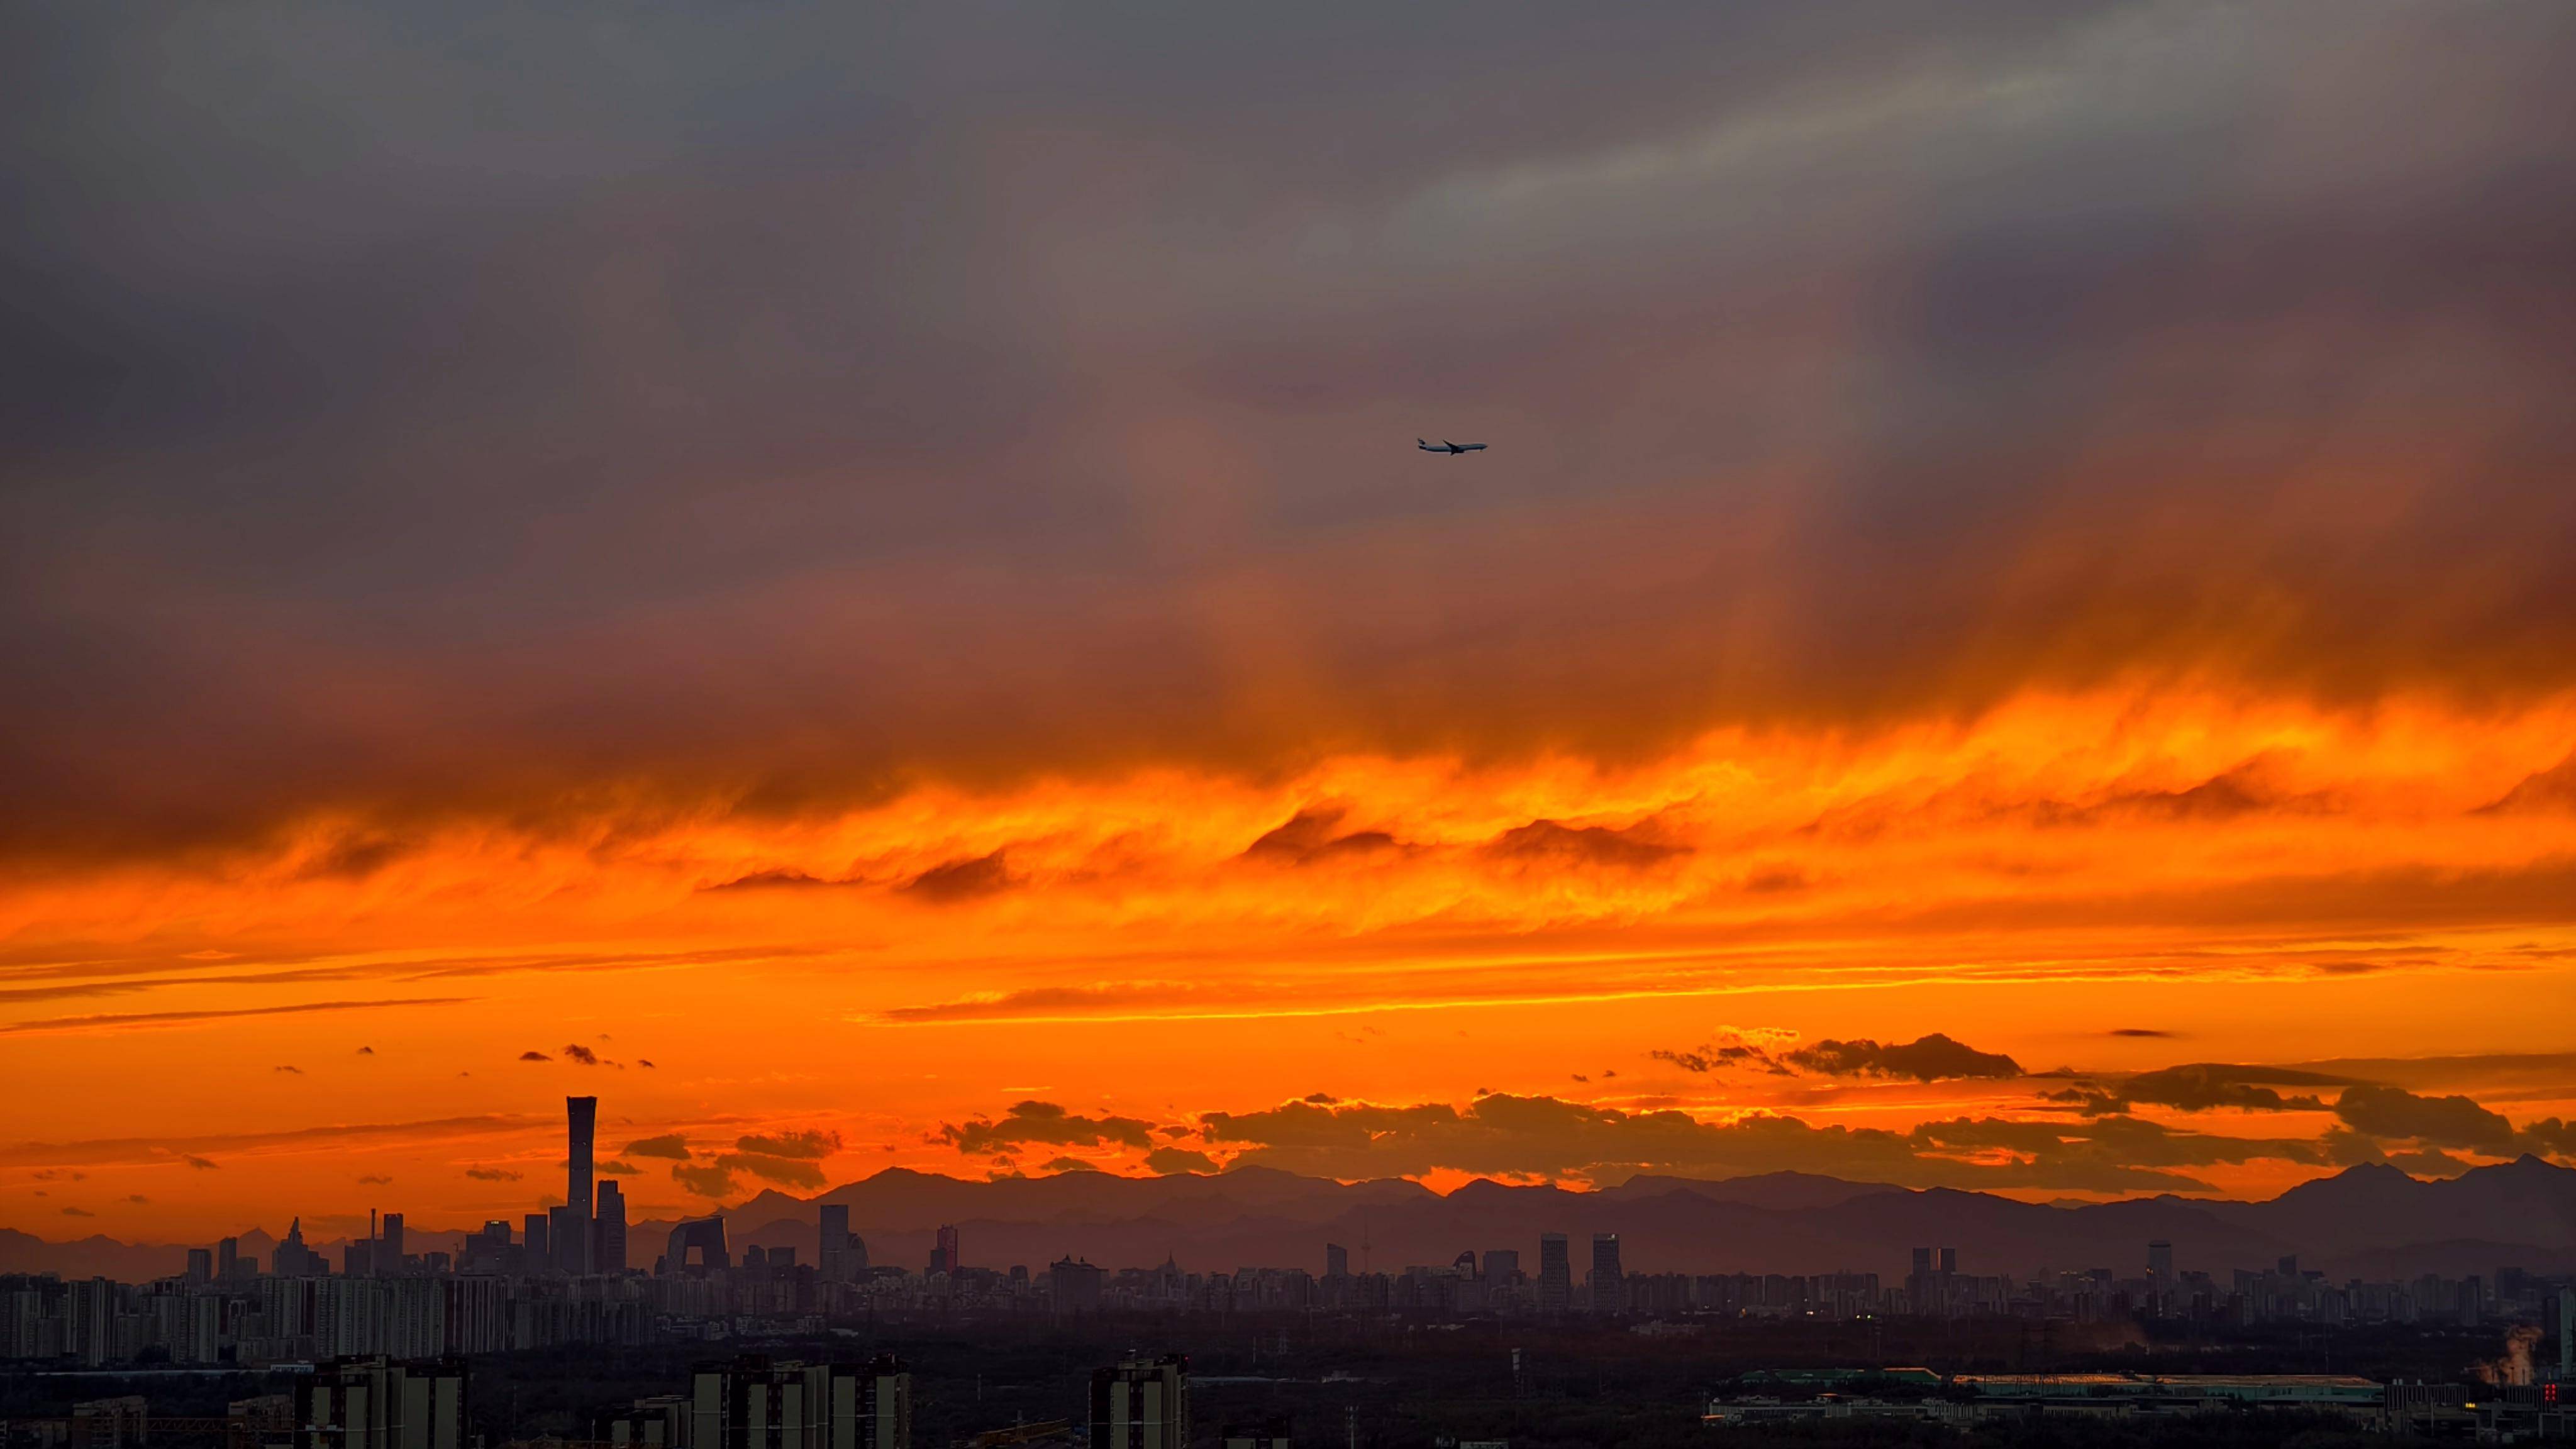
1162	944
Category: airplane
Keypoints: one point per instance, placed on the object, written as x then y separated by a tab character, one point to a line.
1445	446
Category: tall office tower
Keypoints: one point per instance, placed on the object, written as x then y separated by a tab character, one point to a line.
832	1252
753	1403
944	1258
1501	1264
201	1265
1609	1284
2160	1265
1141	1404
1555	1274
583	1116
228	1259
1337	1261
568	1234
704	1237
1949	1261
1466	1264
383	1403
532	1233
608	1229
389	1246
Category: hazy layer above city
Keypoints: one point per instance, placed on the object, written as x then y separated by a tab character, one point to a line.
862	586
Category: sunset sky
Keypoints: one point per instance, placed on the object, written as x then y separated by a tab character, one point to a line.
859	585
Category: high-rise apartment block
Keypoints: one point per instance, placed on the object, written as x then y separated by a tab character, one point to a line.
1141	1404
752	1403
379	1403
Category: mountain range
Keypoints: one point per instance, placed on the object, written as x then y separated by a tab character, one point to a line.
2370	1221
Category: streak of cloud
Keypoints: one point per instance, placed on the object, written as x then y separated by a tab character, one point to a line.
124	1020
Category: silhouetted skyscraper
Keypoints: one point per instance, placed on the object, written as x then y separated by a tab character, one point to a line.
608	1230
569	1235
943	1258
832	1257
703	1236
2160	1270
1501	1264
537	1246
1609	1283
201	1265
1555	1274
389	1246
583	1117
1337	1261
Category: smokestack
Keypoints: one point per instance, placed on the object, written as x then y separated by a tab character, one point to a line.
583	1115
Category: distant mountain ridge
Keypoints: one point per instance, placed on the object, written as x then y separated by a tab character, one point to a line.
2371	1221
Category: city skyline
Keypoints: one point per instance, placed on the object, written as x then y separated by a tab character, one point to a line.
865	594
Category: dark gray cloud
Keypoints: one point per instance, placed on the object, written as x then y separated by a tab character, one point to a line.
1502	1134
1169	1160
962	880
1048	1123
1549	842
2550	789
713	1180
2203	1087
813	1144
1931	1058
668	1145
1315	834
1836	360
2393	1113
